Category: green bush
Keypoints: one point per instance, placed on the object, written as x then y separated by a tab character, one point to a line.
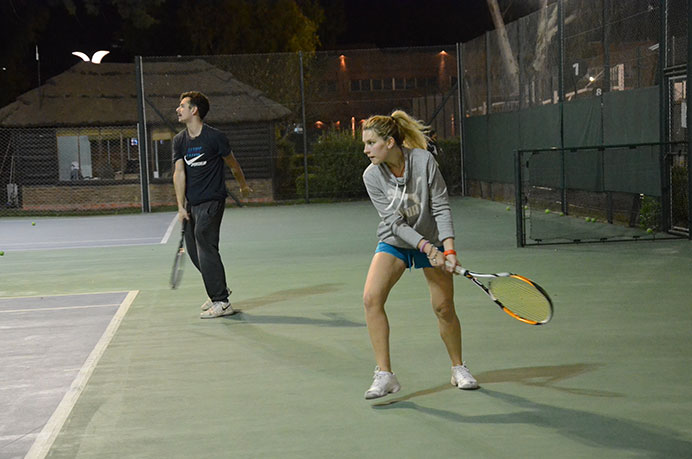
285	169
650	213
335	167
450	164
337	162
680	198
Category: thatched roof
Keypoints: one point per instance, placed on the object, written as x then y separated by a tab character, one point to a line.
106	95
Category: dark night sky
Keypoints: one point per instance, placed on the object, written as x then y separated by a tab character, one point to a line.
348	24
394	23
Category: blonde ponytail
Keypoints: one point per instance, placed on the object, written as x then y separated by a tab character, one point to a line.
412	130
404	129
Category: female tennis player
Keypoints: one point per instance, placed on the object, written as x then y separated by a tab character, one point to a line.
410	195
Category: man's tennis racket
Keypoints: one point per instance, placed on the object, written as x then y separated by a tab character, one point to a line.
177	272
518	296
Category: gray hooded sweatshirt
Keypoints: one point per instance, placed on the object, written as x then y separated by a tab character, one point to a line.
412	207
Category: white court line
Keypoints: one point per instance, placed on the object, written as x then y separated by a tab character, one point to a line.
169	230
60	308
151	241
50	431
85	241
58	294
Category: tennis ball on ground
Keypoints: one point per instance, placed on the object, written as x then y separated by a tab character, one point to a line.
547	211
586	219
562	214
2	253
33	223
526	207
508	209
649	230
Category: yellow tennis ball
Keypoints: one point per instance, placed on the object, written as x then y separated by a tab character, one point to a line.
33	223
2	253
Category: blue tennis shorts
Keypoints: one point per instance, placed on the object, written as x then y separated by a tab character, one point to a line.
410	257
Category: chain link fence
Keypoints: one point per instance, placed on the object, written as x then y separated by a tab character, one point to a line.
607	46
575	76
73	170
73	145
292	116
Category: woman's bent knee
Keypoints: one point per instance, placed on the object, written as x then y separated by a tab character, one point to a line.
444	310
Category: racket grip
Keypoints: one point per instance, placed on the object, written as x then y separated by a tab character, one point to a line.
457	269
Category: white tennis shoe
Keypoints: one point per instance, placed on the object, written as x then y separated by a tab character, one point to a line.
383	383
207	304
462	378
218	309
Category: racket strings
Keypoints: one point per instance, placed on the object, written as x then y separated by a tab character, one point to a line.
522	298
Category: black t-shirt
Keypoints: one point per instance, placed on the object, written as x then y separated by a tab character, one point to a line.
204	164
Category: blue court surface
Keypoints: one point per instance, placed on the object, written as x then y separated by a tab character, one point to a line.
47	233
48	349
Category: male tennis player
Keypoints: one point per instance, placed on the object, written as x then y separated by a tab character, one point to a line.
410	195
199	155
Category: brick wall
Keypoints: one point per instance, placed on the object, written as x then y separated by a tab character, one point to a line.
99	196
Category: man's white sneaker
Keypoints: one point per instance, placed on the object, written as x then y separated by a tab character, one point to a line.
207	304
383	383
462	378
217	309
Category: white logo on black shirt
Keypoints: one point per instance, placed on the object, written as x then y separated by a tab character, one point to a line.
193	162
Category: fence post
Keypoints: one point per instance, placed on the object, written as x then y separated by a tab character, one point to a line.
518	192
305	128
689	127
561	99
460	100
142	141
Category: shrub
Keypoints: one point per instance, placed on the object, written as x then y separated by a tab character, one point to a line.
680	199
450	164
285	169
337	162
650	213
335	167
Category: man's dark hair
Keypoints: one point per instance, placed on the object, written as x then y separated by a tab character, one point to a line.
199	100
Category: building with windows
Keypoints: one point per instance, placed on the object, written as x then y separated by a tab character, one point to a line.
81	126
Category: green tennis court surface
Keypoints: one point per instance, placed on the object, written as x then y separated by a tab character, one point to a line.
608	377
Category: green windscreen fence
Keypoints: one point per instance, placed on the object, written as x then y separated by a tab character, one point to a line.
624	117
601	193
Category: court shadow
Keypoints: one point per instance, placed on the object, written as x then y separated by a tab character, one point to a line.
333	320
544	376
420	393
283	295
603	431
